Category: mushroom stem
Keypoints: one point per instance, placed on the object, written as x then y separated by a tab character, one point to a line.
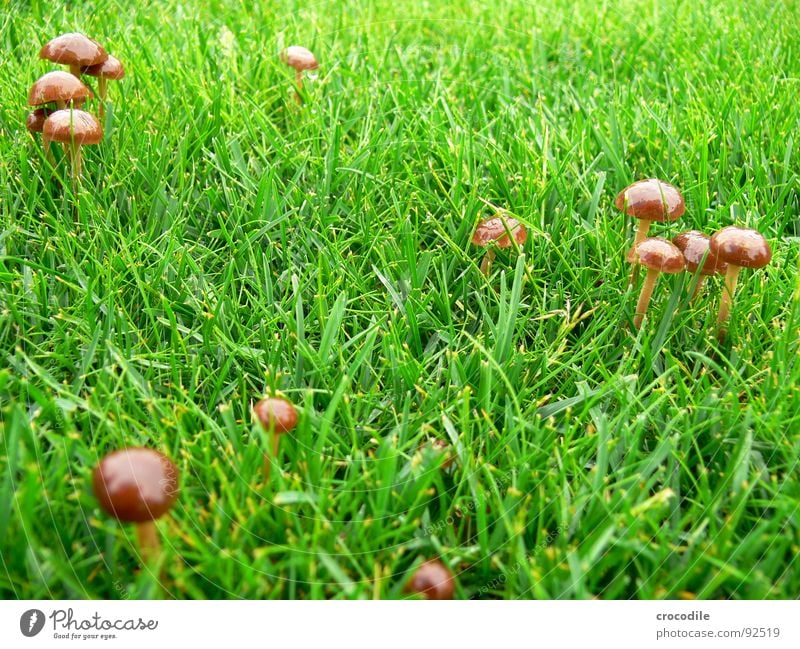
268	459
149	543
731	277
102	86
102	89
73	151
298	79
641	235
75	70
77	161
486	263
644	296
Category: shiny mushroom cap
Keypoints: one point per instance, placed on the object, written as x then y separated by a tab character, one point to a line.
111	68
135	484
432	580
741	247
35	120
659	254
299	58
74	125
651	200
695	245
275	413
495	230
57	86
73	49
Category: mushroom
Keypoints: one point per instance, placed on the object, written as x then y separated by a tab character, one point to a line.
75	50
658	256
276	416
739	248
438	447
432	580
35	120
73	128
59	88
649	200
699	258
495	231
111	68
137	485
300	59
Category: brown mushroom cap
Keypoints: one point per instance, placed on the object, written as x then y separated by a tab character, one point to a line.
135	484
276	412
73	126
741	247
73	49
432	580
299	58
659	254
495	230
35	120
111	68
652	200
694	245
57	86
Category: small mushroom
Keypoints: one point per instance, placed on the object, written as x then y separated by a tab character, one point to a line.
59	88
137	485
658	256
111	68
739	248
35	120
649	200
438	447
432	580
501	231
301	59
73	128
75	50
699	258
276	416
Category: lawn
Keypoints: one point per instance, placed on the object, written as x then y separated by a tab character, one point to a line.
226	242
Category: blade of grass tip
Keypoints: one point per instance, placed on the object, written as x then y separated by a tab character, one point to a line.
601	464
330	334
326	423
300	328
509	308
741	464
557	407
666	320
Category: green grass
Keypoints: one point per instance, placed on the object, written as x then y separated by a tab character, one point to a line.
225	243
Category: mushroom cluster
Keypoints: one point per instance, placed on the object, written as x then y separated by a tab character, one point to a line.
724	253
57	97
